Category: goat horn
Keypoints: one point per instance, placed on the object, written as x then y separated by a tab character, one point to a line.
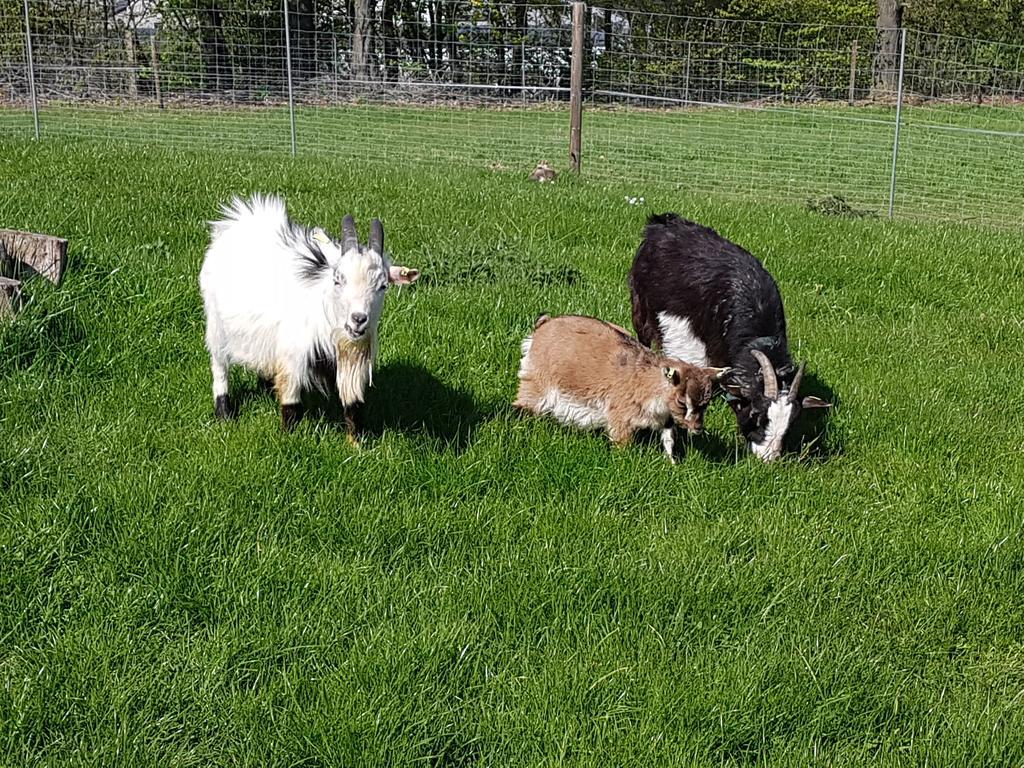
794	388
350	238
771	384
377	237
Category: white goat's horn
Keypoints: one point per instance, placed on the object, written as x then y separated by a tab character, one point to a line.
377	237
794	389
771	384
350	238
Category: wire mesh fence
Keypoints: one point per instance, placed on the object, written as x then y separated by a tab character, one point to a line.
722	106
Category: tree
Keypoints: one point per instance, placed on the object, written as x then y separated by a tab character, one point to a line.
889	23
361	40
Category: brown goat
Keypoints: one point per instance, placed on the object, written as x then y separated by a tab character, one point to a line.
594	375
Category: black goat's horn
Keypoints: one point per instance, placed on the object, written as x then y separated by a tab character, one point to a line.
794	389
771	384
350	238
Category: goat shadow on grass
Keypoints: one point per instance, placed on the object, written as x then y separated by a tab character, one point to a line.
714	447
409	398
814	436
404	396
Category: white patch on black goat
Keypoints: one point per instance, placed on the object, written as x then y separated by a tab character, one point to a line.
780	414
678	340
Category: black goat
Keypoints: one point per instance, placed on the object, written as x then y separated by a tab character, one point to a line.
707	301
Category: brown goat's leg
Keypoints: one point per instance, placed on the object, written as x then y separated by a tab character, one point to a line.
620	433
526	397
288	393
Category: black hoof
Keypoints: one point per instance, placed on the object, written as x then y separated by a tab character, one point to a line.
224	409
264	385
291	415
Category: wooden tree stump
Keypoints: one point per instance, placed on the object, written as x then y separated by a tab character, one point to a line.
10	296
42	254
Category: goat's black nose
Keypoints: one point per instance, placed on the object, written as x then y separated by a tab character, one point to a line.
359	320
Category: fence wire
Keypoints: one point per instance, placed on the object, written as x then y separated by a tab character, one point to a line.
714	106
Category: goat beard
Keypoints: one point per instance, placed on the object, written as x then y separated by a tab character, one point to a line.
355	368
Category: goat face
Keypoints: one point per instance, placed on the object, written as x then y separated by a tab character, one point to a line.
692	391
361	277
765	408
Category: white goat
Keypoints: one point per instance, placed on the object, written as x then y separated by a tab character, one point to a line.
294	305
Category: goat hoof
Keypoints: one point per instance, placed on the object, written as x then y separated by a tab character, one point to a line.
291	415
223	408
353	441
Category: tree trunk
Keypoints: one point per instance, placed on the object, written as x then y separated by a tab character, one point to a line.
887	61
303	39
361	41
391	42
455	49
519	45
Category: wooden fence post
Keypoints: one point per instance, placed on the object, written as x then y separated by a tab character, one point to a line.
131	73
155	56
853	71
576	87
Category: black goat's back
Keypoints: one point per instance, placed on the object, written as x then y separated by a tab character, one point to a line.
690	271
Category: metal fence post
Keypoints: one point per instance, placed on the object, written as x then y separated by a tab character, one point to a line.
31	72
576	87
896	133
288	67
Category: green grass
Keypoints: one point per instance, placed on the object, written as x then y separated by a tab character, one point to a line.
779	153
477	588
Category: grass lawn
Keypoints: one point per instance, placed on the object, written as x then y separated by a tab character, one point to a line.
477	588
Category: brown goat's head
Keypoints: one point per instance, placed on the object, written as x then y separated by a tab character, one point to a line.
692	390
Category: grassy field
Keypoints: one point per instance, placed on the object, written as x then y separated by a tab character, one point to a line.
477	588
955	163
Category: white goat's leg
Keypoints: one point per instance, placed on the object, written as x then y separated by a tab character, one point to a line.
288	385
219	364
668	442
222	405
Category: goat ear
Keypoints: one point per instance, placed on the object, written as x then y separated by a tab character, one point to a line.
815	402
731	382
403	275
716	373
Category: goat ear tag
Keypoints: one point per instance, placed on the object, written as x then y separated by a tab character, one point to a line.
320	236
666	372
716	373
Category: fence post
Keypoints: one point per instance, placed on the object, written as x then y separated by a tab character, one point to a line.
522	67
686	76
31	72
288	68
155	56
576	87
853	71
896	133
132	72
